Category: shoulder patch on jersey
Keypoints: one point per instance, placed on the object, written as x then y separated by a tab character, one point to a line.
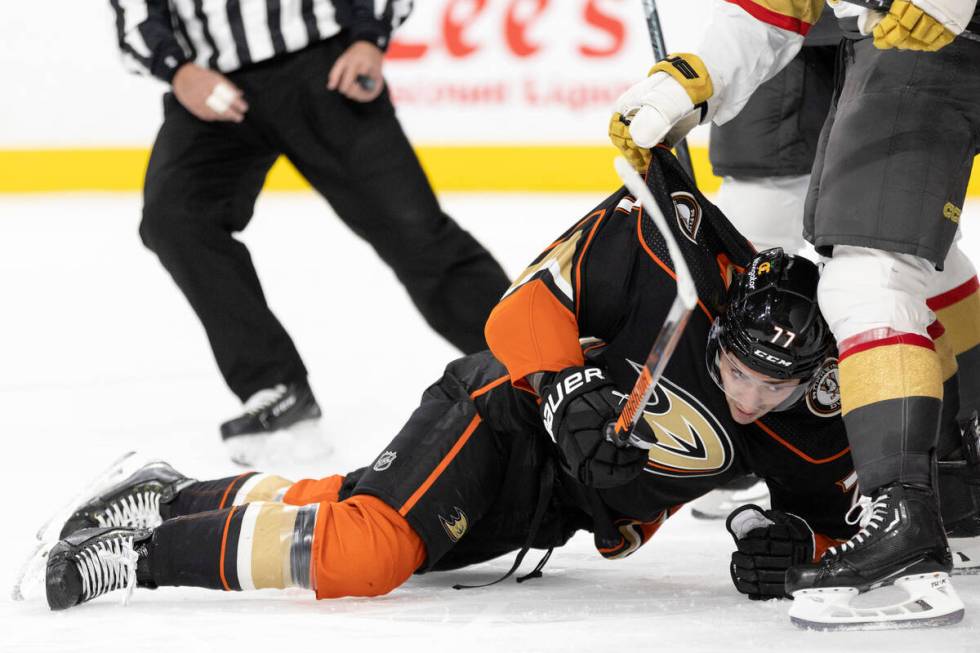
823	396
688	213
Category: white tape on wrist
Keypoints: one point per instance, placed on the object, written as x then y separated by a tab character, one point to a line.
221	97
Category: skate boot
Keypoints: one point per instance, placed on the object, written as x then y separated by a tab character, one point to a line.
959	497
718	504
94	561
901	542
132	503
266	412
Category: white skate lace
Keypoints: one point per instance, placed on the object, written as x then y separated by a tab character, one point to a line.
137	510
264	398
108	565
869	515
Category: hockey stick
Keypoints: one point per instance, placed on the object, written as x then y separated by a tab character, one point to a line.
659	53
621	432
885	5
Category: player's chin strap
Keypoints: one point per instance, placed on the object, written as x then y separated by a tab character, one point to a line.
545	489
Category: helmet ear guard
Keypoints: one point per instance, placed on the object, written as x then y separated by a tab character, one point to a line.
772	323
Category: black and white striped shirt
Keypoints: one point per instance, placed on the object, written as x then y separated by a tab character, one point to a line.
157	36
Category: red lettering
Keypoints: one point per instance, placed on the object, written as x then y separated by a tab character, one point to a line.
454	26
405	51
516	26
611	25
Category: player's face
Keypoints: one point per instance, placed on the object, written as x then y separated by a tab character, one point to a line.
750	394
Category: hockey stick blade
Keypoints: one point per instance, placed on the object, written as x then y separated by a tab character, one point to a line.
621	432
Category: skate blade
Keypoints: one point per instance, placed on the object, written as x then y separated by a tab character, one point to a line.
30	578
120	468
966	555
301	442
931	602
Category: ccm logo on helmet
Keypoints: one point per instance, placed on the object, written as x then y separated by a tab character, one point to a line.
772	359
569	384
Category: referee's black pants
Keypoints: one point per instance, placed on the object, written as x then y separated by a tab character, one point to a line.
203	179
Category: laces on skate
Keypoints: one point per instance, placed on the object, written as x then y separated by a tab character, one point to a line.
108	565
868	515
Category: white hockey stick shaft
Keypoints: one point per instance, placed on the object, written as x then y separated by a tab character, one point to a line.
673	326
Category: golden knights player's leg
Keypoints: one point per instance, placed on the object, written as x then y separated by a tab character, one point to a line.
955	300
891	175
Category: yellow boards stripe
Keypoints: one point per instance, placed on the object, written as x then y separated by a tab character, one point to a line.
518	168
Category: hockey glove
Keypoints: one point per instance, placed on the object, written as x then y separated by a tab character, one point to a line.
576	405
671	101
769	542
922	24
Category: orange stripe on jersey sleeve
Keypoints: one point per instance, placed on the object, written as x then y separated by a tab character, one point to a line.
530	331
791	15
815	461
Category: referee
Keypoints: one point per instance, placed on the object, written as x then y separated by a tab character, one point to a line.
255	79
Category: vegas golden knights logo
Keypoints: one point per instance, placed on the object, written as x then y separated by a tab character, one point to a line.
455	525
690	440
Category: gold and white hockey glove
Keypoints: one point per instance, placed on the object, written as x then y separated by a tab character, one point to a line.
664	107
927	25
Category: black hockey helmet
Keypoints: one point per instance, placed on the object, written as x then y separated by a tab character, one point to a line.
771	322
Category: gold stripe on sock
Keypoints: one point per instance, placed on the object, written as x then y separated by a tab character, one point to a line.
889	372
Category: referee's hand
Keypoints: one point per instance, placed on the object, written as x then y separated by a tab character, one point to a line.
209	95
361	60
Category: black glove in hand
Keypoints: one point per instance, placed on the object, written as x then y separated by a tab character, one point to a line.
576	405
769	542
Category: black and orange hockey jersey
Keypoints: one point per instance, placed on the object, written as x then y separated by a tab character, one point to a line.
610	278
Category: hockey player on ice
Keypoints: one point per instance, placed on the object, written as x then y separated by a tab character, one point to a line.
508	450
892	166
472	475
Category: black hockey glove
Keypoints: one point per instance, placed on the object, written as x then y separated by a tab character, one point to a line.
769	542
576	405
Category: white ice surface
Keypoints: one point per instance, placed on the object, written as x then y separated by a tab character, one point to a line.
99	353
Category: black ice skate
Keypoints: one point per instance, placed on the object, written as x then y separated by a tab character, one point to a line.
901	542
94	561
266	412
959	492
132	503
